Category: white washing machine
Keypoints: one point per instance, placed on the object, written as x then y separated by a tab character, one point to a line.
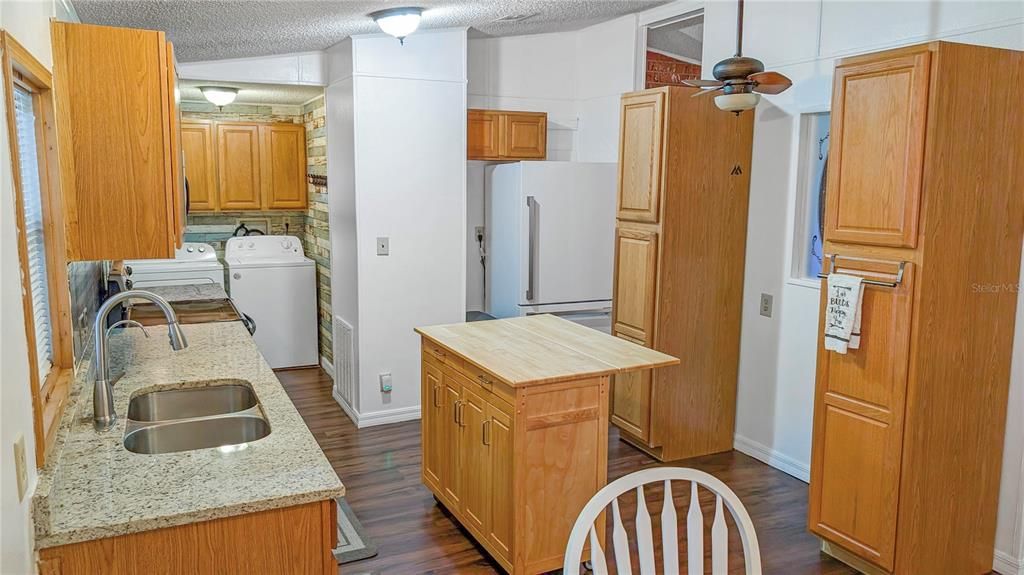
193	263
271	279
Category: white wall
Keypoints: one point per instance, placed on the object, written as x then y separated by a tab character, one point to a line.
299	68
576	77
405	108
777	355
29	23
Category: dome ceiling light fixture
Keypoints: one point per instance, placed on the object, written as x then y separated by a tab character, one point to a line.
398	22
740	79
219	96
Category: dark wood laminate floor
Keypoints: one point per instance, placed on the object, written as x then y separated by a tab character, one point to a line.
380	467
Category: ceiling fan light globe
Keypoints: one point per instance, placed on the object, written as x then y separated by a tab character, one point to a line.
737	102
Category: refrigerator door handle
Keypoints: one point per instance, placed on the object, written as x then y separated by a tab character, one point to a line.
531	207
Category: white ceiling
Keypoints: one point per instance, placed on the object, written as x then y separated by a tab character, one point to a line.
257	94
217	29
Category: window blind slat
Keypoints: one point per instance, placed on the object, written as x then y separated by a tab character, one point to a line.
25	123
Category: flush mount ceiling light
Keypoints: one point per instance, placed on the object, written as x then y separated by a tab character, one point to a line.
219	95
398	22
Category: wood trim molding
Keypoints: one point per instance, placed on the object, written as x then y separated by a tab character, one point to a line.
49	397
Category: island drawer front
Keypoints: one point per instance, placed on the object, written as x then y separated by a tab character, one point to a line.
488	381
498	394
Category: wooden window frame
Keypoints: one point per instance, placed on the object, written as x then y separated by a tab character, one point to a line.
49	396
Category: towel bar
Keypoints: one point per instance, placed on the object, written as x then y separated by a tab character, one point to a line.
892	284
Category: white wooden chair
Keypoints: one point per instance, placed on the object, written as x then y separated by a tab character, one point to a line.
584	529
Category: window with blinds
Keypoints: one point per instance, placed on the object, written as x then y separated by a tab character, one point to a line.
25	124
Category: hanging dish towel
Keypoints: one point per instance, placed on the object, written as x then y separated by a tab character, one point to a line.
842	313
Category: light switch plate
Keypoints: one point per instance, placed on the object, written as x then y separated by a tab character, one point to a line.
385	382
382	246
766	305
20	466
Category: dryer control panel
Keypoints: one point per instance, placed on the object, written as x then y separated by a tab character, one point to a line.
264	247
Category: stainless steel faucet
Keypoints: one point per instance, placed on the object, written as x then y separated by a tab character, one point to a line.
104	416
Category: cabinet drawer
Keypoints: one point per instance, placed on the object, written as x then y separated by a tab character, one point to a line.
640	155
489	382
879	117
858	421
636	274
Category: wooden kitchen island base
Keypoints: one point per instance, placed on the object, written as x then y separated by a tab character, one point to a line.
515	428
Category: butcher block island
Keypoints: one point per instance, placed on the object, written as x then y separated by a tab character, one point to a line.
515	428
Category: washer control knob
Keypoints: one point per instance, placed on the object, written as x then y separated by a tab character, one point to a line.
201	250
190	249
252	245
237	276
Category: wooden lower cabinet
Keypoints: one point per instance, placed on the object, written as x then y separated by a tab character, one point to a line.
514	466
297	539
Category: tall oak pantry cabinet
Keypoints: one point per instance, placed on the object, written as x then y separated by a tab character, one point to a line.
680	237
926	198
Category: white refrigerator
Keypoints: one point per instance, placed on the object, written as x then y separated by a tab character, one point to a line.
550	238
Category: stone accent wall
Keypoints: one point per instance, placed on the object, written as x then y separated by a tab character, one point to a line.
215	228
318	237
664	70
84	282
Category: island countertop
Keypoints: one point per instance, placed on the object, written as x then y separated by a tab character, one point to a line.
95	488
542	349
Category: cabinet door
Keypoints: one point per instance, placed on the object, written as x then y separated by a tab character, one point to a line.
483	133
879	112
636	262
524	135
451	441
284	166
177	200
640	153
476	461
238	166
498	436
858	423
432	431
631	400
197	148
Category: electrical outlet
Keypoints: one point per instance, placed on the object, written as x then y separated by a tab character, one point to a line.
20	466
382	246
385	382
478	233
766	305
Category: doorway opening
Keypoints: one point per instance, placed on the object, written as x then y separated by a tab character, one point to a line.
674	48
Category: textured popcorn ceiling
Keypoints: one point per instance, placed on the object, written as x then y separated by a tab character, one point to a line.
257	94
217	29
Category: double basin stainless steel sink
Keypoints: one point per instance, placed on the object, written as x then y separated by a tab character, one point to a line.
224	414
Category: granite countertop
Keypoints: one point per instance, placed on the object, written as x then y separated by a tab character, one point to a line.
188	292
92	487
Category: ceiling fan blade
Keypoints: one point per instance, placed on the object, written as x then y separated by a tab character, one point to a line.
696	83
706	92
770	82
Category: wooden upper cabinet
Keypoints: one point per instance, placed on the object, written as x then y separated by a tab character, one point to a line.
635	286
197	147
238	166
524	135
483	135
879	115
283	147
858	424
640	155
118	151
500	135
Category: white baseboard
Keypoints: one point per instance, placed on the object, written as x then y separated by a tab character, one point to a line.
1005	564
765	454
374	418
327	366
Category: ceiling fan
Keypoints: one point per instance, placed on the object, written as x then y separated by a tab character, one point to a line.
740	79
